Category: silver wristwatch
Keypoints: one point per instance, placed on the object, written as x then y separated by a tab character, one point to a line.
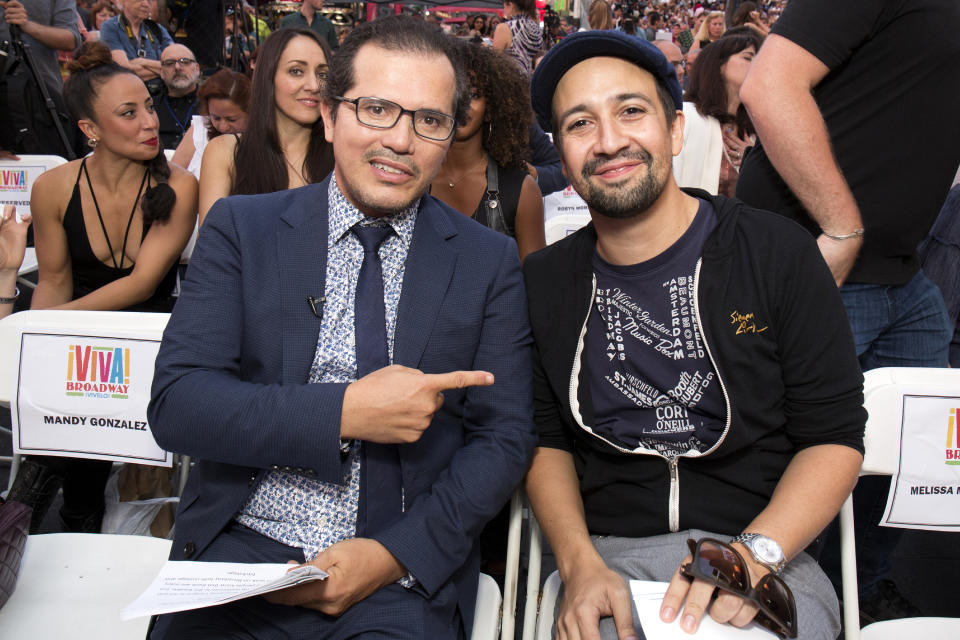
764	550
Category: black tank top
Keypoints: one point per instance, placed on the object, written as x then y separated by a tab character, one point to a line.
89	273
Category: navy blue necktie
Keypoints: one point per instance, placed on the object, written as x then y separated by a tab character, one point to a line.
381	496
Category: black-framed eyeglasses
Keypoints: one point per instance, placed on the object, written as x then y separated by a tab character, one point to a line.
719	563
384	114
183	62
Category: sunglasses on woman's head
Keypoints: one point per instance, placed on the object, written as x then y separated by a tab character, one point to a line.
720	564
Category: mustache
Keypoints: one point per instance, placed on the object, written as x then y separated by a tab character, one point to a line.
590	166
386	154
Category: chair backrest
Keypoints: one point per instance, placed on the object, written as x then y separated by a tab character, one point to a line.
99	323
560	226
17	177
883	397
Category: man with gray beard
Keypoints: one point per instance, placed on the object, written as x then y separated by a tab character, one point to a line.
695	377
177	101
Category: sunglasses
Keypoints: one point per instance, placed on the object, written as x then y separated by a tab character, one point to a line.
719	563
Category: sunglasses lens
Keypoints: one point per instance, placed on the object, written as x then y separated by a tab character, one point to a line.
776	601
722	563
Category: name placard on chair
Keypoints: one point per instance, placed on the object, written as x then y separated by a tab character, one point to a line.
925	490
85	396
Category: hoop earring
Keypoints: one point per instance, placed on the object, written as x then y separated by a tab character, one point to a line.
92	143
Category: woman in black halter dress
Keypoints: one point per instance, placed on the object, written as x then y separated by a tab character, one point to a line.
109	230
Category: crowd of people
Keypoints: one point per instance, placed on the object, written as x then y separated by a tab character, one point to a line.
364	374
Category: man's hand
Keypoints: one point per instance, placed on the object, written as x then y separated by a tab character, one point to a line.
590	593
726	609
396	404
839	255
13	238
357	568
14	12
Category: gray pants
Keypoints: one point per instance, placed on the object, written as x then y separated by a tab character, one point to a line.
657	557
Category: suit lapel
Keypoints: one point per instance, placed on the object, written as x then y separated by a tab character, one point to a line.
429	268
302	256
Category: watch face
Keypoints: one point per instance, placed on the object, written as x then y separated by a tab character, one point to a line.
767	550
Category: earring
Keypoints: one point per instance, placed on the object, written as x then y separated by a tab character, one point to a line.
489	128
92	143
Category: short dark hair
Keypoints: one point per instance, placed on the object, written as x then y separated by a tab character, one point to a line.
707	89
653	18
395	33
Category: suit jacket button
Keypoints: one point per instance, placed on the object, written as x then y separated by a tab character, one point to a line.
189	549
252	480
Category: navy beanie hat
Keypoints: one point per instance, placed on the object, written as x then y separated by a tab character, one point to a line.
580	46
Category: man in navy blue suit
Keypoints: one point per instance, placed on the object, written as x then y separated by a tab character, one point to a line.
360	404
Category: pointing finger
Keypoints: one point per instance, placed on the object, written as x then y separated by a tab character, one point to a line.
460	379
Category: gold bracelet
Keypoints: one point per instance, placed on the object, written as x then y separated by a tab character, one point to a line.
857	233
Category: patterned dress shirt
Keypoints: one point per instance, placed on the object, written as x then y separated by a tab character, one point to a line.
293	509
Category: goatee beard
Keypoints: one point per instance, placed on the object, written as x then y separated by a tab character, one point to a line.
619	201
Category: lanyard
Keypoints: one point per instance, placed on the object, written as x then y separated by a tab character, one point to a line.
180	125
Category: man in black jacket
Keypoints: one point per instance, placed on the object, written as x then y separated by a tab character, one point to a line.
695	375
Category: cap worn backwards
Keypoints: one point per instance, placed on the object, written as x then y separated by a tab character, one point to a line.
581	46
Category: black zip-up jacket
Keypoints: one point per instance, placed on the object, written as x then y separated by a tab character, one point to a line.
778	336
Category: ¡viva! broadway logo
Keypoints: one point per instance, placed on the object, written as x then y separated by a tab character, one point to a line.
98	372
13	180
953	438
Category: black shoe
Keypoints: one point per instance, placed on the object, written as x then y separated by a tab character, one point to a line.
35	486
886	603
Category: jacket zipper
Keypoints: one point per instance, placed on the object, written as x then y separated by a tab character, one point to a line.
673	503
706	344
674	494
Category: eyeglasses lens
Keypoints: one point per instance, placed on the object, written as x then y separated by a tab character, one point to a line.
723	564
777	603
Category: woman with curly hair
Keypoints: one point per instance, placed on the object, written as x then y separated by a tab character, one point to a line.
484	175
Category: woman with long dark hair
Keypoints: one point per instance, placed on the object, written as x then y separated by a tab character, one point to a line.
717	130
109	229
484	175
283	146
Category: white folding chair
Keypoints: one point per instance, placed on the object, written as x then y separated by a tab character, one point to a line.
882	392
105	324
73	585
32	166
560	226
486	618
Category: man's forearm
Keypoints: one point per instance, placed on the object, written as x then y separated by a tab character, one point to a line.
795	137
808	496
555	497
53	37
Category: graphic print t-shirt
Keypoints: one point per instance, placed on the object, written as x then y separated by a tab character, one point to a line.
649	374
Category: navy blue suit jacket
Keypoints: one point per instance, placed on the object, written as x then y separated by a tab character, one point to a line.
230	384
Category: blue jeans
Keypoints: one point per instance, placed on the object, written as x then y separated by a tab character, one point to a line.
893	326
